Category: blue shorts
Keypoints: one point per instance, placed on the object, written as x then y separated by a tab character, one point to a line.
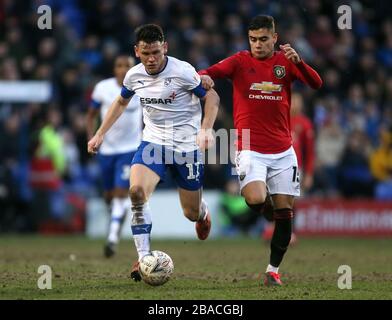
115	170
187	169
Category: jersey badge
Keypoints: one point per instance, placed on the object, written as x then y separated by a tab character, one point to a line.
173	95
279	71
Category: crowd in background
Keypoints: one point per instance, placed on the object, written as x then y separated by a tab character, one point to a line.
351	113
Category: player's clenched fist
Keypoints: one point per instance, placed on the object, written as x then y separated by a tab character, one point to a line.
94	143
205	139
290	53
206	82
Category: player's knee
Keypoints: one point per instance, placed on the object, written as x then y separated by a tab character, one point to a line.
256	207
191	212
137	194
120	193
283	214
108	196
255	199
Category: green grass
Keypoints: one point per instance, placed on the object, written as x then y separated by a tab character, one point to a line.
218	269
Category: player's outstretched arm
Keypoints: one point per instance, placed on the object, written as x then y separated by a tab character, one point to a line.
220	70
205	138
304	72
116	109
91	117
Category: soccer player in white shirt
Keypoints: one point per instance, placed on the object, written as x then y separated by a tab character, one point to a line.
118	147
170	91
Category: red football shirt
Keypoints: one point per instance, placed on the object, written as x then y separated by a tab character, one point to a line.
303	142
261	97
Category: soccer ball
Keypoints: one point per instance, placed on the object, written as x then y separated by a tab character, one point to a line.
156	268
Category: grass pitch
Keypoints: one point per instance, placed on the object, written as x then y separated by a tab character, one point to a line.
213	269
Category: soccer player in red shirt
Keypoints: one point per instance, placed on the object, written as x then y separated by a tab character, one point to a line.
303	141
262	79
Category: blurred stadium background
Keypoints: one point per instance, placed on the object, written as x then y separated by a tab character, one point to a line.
50	185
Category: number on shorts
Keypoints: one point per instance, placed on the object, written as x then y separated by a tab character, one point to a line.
193	173
126	170
295	174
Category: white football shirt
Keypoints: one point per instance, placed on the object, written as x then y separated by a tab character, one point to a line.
125	134
171	110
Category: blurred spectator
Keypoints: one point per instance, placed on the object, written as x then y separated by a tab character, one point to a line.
354	172
235	216
303	141
48	165
78	52
51	144
296	36
321	37
381	166
385	52
14	192
373	122
330	144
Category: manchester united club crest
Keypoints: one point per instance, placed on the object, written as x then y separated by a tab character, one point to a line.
279	71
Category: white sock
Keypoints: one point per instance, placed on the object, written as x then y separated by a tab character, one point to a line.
117	214
141	228
272	269
126	205
203	210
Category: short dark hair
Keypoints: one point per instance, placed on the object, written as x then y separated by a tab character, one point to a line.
149	33
262	21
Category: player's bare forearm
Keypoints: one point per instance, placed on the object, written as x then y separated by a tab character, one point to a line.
116	109
114	112
211	107
90	122
205	138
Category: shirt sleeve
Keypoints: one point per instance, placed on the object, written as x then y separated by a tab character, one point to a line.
190	80
96	97
127	91
306	74
222	69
